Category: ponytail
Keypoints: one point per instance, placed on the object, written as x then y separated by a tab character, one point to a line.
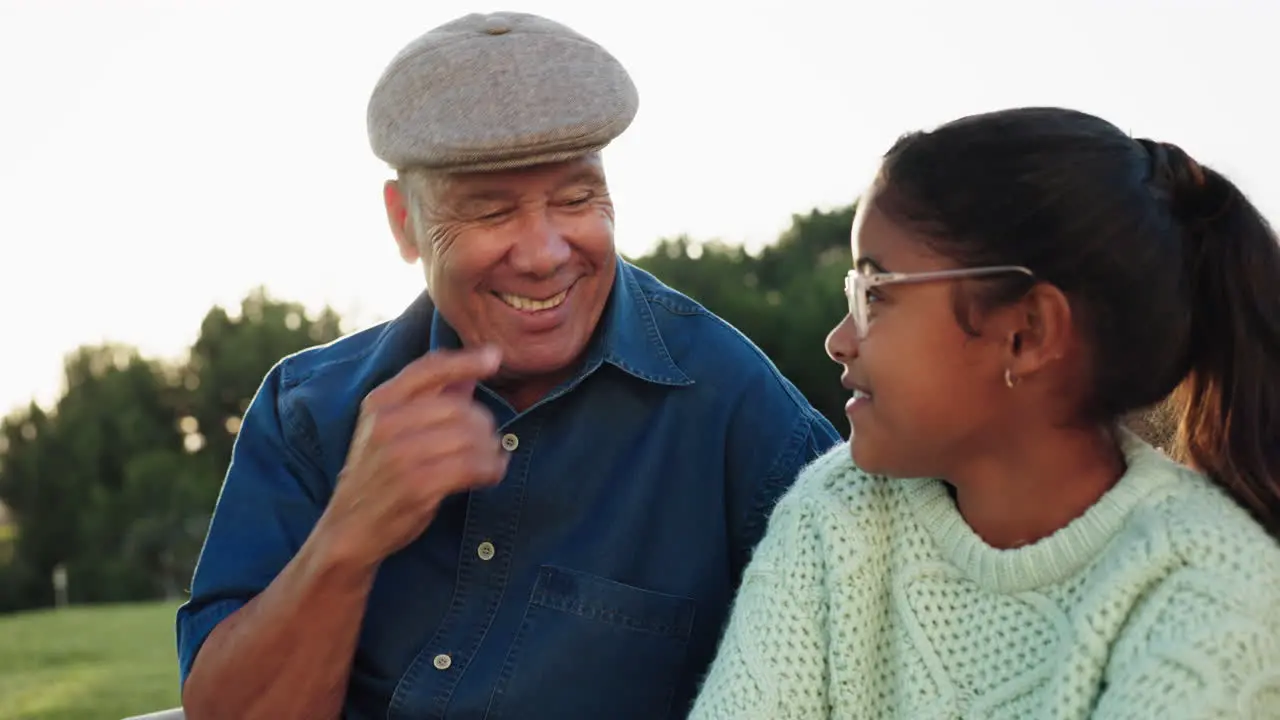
1228	405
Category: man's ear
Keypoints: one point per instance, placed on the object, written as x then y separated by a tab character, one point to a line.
398	219
1038	332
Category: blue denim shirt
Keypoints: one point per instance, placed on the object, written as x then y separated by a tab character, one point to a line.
595	580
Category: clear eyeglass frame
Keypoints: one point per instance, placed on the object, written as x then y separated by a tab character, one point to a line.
858	286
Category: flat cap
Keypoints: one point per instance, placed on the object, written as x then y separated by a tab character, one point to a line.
498	91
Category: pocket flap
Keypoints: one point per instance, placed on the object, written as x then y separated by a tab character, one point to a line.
610	601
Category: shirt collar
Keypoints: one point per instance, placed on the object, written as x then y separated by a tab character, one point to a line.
627	336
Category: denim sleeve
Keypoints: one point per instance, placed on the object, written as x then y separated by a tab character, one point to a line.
774	436
270	500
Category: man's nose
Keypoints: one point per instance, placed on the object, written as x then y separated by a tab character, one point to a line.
541	248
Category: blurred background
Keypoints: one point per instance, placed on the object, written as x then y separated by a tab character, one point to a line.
187	194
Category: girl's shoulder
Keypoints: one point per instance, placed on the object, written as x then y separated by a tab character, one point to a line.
849	504
1203	538
834	481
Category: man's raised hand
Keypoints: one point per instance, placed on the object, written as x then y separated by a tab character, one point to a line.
420	437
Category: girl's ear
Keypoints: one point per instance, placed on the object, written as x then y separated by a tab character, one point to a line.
1038	331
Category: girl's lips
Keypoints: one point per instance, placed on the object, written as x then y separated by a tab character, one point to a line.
860	398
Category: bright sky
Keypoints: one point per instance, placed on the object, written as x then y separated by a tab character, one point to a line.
157	157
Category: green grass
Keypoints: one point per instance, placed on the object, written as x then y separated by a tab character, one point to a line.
106	662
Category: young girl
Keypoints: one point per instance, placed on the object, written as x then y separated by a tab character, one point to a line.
990	543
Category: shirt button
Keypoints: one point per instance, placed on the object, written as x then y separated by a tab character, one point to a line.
510	442
442	661
485	551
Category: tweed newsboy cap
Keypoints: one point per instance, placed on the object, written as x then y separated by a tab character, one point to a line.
498	91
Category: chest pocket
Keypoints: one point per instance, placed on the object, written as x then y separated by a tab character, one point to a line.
590	647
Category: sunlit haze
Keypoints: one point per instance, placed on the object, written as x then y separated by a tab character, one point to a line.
159	157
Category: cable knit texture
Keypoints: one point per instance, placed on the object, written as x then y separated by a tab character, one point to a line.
873	598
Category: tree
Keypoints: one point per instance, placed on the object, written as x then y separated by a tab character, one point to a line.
117	481
228	361
786	299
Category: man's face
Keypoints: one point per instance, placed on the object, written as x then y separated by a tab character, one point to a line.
521	259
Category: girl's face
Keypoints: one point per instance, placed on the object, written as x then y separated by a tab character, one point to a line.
927	395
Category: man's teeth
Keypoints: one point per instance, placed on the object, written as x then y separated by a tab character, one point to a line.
520	302
859	394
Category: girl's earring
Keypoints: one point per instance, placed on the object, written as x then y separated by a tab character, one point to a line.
1009	379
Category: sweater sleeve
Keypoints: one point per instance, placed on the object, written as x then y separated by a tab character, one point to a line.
772	659
1196	650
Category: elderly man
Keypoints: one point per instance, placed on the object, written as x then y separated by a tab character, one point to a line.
531	495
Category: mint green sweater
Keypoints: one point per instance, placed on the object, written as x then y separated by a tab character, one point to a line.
872	598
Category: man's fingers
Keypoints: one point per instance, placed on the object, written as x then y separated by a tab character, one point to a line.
428	416
435	371
500	461
465	388
484	469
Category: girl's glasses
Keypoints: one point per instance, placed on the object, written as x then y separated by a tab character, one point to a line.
858	286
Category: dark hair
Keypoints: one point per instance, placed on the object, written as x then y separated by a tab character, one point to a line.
1172	272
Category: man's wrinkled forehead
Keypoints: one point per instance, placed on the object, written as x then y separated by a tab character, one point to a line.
511	184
